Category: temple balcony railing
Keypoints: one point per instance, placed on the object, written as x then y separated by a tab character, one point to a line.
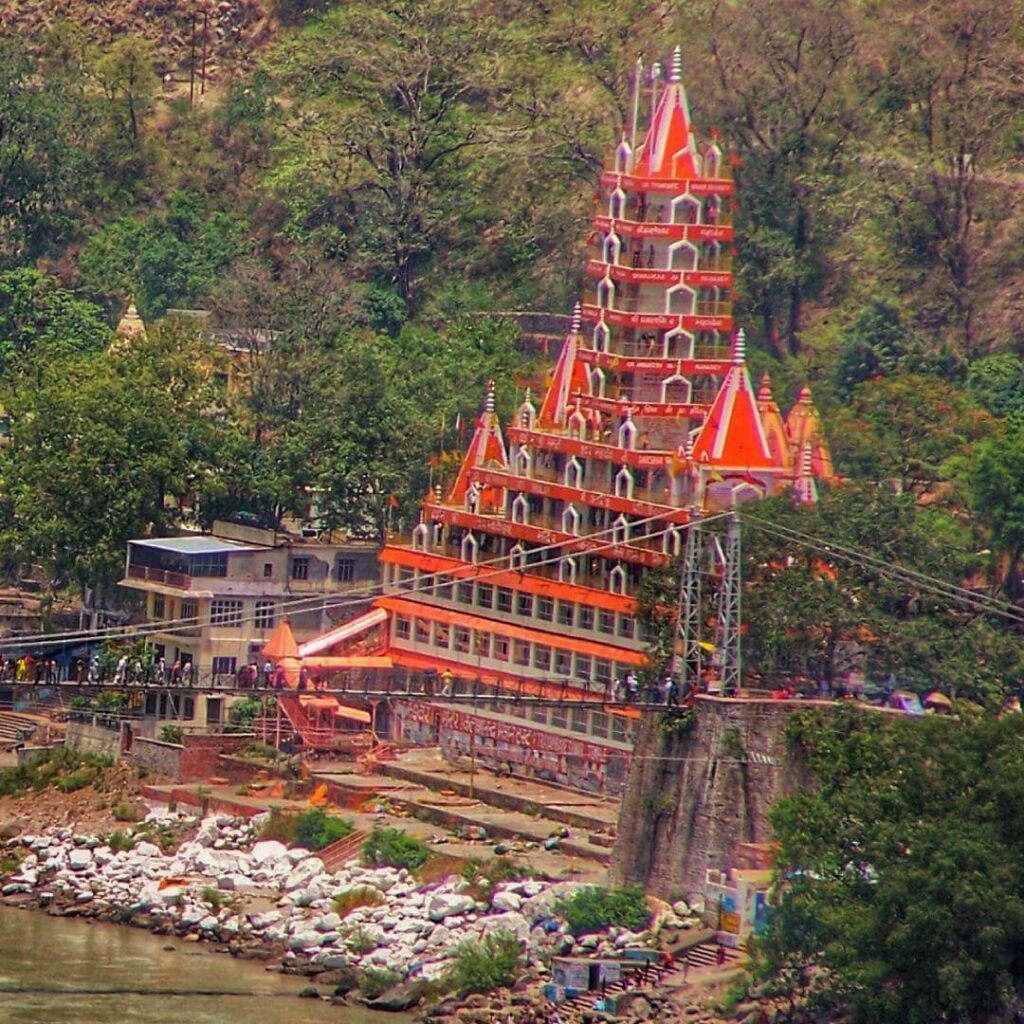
719	264
654	305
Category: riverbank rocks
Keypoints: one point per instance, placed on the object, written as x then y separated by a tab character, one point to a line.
259	898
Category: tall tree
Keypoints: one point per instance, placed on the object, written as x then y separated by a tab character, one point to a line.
783	75
385	105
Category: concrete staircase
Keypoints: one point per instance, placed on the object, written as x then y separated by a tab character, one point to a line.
16	728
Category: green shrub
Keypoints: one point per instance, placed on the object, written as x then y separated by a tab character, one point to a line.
347	900
493	962
262	751
127	811
376	982
358	940
172	734
316	829
77	780
594	908
391	847
312	830
211	895
120	841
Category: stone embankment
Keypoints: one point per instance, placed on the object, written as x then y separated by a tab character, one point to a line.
258	898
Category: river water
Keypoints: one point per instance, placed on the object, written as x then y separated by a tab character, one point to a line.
69	971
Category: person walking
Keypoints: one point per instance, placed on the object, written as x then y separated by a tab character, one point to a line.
187	673
268	671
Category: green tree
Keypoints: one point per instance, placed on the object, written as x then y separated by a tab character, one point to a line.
170	258
994	477
46	153
388	110
126	73
996	383
890	868
908	428
37	314
106	447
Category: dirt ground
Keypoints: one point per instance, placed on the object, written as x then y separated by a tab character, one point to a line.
87	810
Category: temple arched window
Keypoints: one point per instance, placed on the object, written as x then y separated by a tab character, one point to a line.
574	473
470	548
524	461
601	337
517	557
597	381
681	300
521	510
571	520
624	483
420	537
685	210
628	434
567	569
682	255
617	580
620	530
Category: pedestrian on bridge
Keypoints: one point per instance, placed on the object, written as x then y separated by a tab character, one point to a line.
668	690
632	687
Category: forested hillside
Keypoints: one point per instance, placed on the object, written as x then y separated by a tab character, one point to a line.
356	183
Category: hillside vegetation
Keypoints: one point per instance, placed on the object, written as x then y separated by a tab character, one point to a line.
358	190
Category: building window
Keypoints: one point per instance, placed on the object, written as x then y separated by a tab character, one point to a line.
524	603
208	565
603	669
158	606
599	724
264	618
558	717
405	578
545	609
579	720
584	666
300	568
189	710
442	585
539	714
346	570
485	595
422	631
566	613
402	627
586	617
465	593
504	600
522	652
618	729
190	609
627	627
606	622
225	613
224	666
500	648
542	658
268	570
461	639
563	663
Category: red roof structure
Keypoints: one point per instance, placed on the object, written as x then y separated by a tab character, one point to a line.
669	150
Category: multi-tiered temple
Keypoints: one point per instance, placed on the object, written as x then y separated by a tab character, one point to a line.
525	571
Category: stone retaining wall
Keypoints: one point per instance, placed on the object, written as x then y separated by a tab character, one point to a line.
156	756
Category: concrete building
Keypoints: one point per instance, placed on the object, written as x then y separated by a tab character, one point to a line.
232	587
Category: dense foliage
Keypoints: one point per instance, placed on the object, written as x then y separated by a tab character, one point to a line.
594	908
902	888
493	961
393	848
310	830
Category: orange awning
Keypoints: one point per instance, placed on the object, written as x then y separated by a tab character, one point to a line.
515	632
350	661
352	714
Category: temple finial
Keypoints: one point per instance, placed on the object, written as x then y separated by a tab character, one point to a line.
577	319
764	391
739	348
807	465
489	404
676	73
